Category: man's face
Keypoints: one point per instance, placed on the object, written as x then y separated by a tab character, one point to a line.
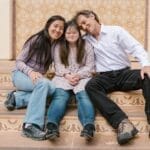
87	24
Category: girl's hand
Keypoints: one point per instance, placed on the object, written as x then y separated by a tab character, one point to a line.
73	80
76	77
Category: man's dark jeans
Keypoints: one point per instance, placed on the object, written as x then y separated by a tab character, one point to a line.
120	80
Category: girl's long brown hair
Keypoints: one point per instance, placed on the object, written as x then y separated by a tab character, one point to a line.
64	46
41	45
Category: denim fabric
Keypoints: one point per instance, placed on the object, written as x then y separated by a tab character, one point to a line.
32	94
86	111
59	103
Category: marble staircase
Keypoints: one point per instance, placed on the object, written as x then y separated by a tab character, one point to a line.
105	137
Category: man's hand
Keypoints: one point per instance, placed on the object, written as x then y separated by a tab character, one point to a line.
145	70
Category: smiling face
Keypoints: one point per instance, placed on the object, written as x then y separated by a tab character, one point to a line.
56	29
72	34
87	24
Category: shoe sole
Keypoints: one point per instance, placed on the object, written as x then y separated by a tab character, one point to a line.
52	136
87	136
31	137
127	139
9	107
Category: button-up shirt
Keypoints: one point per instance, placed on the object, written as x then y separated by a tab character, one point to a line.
112	48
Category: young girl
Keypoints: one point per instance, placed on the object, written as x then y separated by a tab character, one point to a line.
74	64
28	77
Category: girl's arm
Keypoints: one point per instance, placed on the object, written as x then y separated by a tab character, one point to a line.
23	67
89	67
21	59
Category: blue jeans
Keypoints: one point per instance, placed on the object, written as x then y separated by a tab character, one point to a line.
32	94
59	103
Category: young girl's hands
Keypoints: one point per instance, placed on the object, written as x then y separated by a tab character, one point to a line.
76	76
72	79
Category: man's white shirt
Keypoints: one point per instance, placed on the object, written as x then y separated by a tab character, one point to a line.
112	49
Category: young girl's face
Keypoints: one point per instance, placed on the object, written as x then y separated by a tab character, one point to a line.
56	29
71	34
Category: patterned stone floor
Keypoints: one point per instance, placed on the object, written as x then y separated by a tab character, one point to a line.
105	137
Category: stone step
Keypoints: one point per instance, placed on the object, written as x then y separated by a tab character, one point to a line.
72	141
124	99
6	82
127	100
70	128
105	136
7	66
133	111
13	119
121	98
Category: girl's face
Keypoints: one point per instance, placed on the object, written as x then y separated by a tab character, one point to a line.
71	34
56	29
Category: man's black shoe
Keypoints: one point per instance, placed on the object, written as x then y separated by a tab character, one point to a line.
52	131
88	131
34	132
10	102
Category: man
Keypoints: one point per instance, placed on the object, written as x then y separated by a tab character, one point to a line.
111	45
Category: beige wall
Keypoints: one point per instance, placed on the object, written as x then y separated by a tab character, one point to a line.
5	29
148	29
31	15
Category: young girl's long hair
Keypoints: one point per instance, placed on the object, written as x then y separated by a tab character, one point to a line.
64	46
41	44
